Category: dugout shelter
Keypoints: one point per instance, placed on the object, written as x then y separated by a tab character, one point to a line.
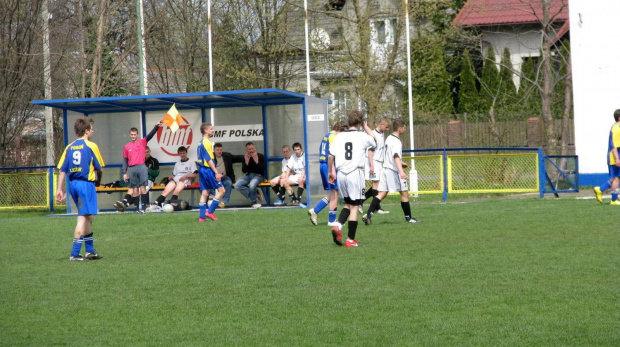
270	118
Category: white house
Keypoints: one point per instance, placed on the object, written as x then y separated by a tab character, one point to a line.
513	24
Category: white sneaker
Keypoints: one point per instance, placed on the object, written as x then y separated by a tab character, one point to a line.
257	205
382	212
313	216
335	224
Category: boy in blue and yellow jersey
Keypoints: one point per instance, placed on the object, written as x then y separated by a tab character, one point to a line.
332	197
613	162
82	162
208	175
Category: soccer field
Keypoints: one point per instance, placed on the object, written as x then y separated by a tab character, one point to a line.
513	272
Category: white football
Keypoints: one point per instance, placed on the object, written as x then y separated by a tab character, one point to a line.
168	208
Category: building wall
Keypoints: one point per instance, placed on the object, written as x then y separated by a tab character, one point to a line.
596	71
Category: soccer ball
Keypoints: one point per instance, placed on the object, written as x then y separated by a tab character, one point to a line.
168	208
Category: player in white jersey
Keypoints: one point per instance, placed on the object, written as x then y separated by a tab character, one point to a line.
394	178
277	183
347	154
378	158
296	174
182	175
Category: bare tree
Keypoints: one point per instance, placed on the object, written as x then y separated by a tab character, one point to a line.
20	69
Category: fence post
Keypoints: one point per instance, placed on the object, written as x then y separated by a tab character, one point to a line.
445	175
50	180
541	173
455	134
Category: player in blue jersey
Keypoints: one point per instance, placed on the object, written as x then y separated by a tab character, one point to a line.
208	175
613	162
331	198
81	162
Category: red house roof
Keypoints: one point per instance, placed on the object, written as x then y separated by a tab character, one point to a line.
493	12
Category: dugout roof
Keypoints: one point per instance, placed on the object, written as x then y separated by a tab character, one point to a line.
144	103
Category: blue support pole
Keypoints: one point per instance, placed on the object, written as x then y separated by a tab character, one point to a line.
541	173
445	175
50	175
304	110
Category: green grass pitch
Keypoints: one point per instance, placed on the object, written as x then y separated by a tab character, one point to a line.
491	272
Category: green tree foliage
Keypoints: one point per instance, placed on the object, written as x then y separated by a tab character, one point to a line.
557	107
431	85
468	97
489	81
529	93
507	96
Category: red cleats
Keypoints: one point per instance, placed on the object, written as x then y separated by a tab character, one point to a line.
211	216
337	235
351	243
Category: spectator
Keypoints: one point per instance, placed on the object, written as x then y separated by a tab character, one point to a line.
253	166
224	164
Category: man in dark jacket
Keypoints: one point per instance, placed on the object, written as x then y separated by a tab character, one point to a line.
253	166
224	163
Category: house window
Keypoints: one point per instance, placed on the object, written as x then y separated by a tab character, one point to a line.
380	31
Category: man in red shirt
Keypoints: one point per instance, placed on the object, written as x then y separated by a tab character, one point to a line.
137	175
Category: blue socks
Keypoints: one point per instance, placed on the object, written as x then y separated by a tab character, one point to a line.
88	243
614	195
321	205
213	206
605	186
333	214
203	210
77	246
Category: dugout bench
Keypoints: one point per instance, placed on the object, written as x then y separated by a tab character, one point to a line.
192	188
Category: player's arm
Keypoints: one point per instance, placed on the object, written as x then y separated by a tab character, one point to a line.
98	175
369	131
124	169
399	166
330	168
153	131
371	162
60	193
614	152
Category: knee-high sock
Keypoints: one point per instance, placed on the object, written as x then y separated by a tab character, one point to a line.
203	210
213	205
373	206
321	205
352	229
77	247
333	214
174	197
344	215
300	191
605	186
406	209
89	243
160	200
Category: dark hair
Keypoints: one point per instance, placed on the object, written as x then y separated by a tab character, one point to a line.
250	143
217	145
297	144
182	149
397	124
355	118
81	125
617	115
134	129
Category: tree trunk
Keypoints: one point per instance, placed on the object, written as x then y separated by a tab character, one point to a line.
547	83
568	103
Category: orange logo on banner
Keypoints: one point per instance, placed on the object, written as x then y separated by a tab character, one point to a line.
170	141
